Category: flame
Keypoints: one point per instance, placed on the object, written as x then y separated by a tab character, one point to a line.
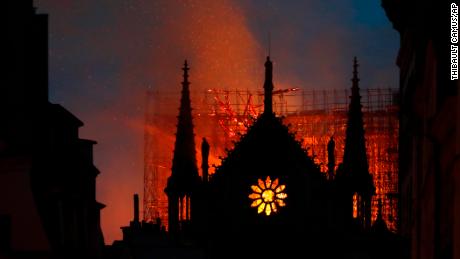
313	130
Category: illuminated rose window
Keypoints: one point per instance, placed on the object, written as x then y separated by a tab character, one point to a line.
267	196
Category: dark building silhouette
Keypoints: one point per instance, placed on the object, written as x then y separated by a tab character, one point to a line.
268	198
267	187
353	178
429	173
331	158
48	206
184	180
204	161
141	240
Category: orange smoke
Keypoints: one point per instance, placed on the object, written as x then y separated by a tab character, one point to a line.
222	52
104	54
214	37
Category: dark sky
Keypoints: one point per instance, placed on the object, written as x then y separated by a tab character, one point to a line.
104	54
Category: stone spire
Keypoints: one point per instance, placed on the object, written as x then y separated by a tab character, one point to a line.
268	87
355	165
184	177
184	165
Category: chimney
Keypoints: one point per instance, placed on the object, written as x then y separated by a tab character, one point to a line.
136	208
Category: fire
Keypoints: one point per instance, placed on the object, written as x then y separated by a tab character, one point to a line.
313	124
355	205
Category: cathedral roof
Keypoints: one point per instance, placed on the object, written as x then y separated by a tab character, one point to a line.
268	142
268	147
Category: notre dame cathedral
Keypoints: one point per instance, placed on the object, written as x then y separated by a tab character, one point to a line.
268	198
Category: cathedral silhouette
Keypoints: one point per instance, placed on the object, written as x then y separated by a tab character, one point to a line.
268	198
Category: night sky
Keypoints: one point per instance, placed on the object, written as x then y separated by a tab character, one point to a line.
105	54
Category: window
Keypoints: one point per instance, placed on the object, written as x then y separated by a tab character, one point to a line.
268	196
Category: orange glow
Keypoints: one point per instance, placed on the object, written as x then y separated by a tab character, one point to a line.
355	205
222	52
266	195
256	189
280	203
313	122
256	202
216	39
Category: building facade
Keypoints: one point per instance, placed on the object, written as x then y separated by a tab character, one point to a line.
48	206
268	198
429	174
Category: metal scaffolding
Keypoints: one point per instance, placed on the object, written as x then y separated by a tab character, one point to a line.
222	115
